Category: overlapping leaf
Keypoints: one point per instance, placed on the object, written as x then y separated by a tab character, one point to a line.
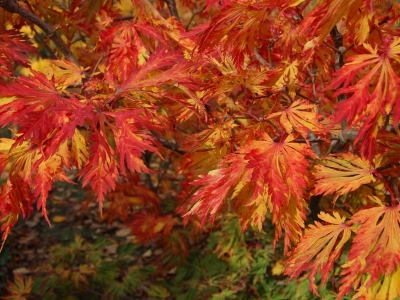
130	143
237	22
13	49
151	226
263	176
100	170
326	15
367	105
130	196
67	73
17	199
372	266
298	117
41	113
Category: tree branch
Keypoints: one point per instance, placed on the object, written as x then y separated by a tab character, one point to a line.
169	144
172	8
124	18
13	7
337	38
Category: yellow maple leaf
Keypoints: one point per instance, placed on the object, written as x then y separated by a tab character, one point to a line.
298	117
79	148
342	173
67	73
278	268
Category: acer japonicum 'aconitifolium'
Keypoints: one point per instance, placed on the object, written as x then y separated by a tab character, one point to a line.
260	105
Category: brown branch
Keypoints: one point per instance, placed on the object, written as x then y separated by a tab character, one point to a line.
314	144
337	38
124	18
298	94
147	161
169	144
41	40
172	8
13	7
330	46
39	37
97	63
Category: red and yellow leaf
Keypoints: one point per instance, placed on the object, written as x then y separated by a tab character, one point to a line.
318	249
298	117
263	176
372	266
100	171
366	105
343	173
67	73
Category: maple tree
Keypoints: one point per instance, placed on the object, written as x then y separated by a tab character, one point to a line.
278	111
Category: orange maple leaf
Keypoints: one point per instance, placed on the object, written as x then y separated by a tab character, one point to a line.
297	117
16	198
318	249
372	266
264	176
342	173
67	73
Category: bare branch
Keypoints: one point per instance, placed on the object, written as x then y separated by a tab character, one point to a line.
124	18
195	12
315	144
169	144
344	135
260	58
172	8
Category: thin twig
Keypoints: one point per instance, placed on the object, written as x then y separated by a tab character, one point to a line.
337	38
124	18
330	46
162	174
195	12
312	74
169	144
260	58
305	97
98	62
314	145
395	188
52	54
269	49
